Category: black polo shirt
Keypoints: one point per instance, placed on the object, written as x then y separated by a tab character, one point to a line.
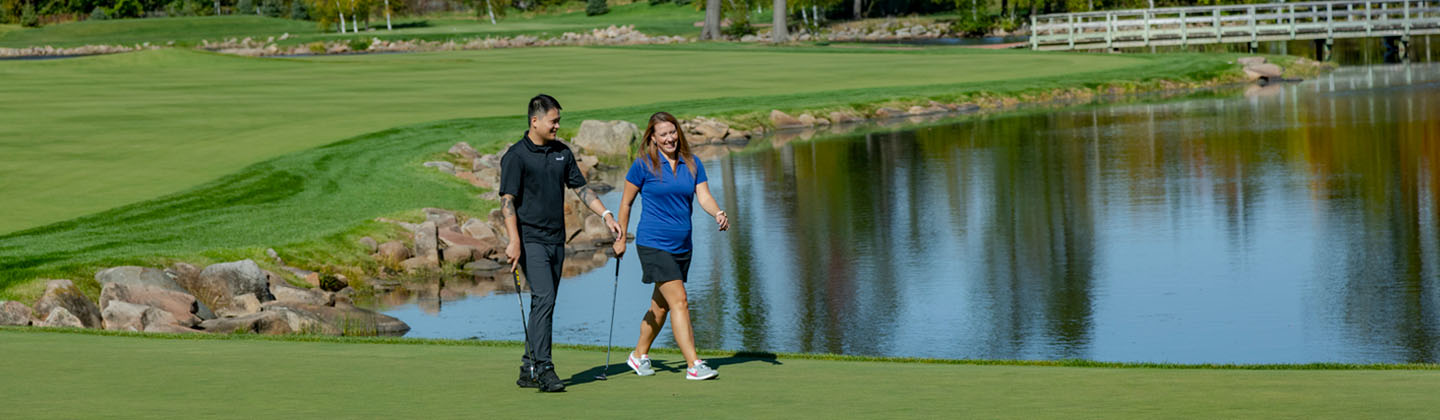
537	176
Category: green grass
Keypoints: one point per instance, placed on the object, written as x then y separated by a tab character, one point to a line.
186	155
88	375
155	31
665	19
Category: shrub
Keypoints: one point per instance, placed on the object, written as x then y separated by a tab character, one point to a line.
272	8
298	11
126	9
316	47
28	18
359	44
245	7
99	14
197	8
596	8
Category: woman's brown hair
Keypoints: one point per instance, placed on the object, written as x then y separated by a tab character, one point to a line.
651	151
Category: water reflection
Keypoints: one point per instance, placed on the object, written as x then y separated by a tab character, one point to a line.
1296	224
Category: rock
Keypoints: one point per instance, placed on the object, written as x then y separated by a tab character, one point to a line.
274	256
181	306
392	251
1265	72
594	232
844	117
712	130
242	305
586	163
782	120
131	275
444	219
733	135
64	294
482	247
292	294
482	265
188	278
264	322
415	264
888	113
60	317
806	120
478	229
463	149
123	316
225	281
606	138
427	247
487	178
14	313
346	319
370	245
459	254
445	167
1250	61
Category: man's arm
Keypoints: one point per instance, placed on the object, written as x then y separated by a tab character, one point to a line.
592	200
512	229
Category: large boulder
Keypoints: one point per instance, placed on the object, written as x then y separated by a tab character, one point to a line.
594	232
64	294
181	306
242	305
225	281
264	322
608	138
345	319
288	293
427	244
444	219
459	254
393	252
487	237
463	149
710	130
15	313
123	316
1266	72
1250	61
132	275
782	120
61	317
188	277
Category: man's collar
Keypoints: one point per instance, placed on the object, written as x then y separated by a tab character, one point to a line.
531	146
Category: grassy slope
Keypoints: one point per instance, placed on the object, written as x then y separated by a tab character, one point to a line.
309	196
136	377
666	19
160	121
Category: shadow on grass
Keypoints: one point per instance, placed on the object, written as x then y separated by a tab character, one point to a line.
664	365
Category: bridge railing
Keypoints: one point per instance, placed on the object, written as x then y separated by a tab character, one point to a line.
1234	24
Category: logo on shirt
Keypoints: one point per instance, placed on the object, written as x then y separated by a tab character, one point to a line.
560	158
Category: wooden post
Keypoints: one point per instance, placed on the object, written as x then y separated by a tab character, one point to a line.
1367	18
1292	21
1145	19
1072	31
1184	30
1034	33
1109	30
1218	34
1254	31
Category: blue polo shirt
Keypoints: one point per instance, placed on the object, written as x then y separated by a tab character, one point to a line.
667	201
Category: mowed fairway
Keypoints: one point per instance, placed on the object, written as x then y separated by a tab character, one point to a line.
66	375
82	135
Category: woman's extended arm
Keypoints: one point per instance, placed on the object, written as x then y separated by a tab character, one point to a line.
707	202
626	201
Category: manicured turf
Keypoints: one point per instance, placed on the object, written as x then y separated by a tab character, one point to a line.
88	376
664	19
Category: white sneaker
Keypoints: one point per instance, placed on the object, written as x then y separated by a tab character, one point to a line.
700	372
641	365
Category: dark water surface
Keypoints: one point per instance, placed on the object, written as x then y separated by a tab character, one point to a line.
1295	223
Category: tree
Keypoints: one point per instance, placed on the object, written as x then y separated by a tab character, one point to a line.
28	18
596	8
778	33
126	9
711	30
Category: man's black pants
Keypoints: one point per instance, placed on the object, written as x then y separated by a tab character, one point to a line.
541	264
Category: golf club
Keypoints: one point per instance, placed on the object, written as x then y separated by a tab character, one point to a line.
614	289
524	326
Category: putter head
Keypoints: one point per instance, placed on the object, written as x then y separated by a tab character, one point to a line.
601	377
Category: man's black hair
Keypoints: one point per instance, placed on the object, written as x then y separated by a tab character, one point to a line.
542	104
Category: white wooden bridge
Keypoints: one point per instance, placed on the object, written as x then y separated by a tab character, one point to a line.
1324	21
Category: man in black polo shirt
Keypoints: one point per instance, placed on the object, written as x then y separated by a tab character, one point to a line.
533	176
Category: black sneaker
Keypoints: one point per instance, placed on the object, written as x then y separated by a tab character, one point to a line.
526	379
550	382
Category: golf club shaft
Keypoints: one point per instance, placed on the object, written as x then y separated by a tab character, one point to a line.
614	290
524	325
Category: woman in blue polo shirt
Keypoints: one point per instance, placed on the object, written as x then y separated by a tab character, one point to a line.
668	178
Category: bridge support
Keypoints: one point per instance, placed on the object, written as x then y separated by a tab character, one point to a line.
1323	48
1254	47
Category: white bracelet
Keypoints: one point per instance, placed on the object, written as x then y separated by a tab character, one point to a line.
606	213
